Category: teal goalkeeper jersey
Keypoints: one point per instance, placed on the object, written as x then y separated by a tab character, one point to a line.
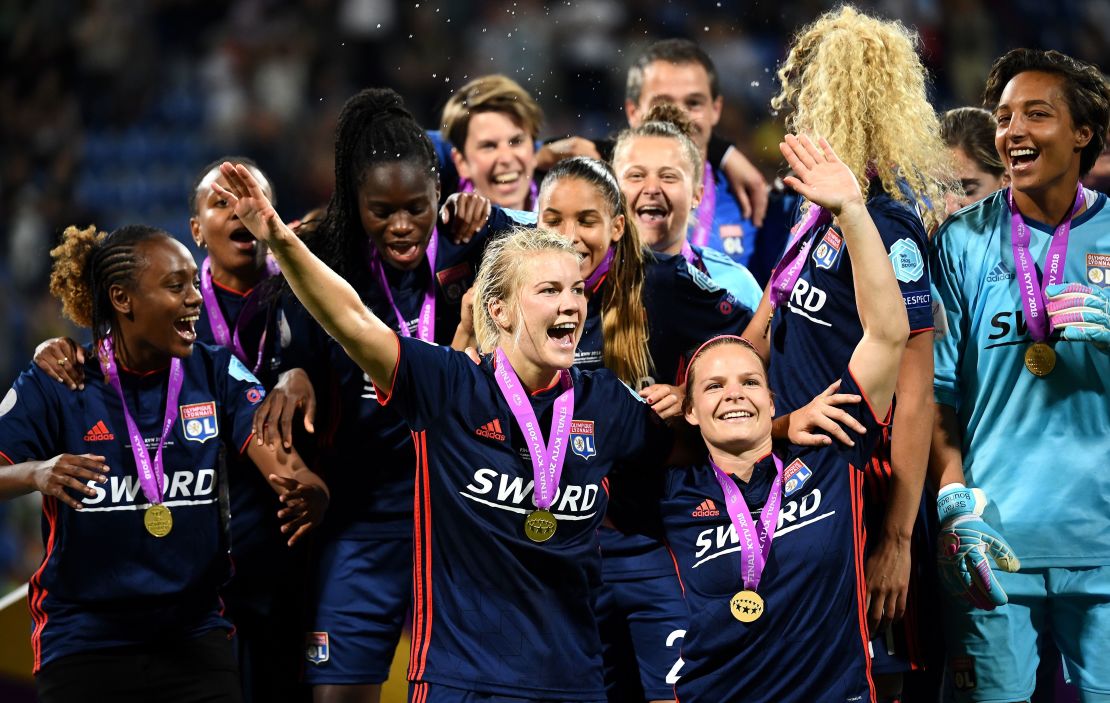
1039	447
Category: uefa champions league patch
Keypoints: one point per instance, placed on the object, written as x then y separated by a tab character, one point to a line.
239	372
9	402
1098	270
794	476
199	421
827	253
582	438
316	648
906	258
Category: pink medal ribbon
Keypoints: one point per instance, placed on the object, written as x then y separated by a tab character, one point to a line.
1030	287
755	544
600	271
151	474
547	461
707	208
789	268
224	336
467	186
426	323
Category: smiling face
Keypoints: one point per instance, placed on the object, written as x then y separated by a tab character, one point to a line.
658	183
976	182
157	314
687	86
1036	137
541	325
232	250
499	157
731	402
397	204
577	210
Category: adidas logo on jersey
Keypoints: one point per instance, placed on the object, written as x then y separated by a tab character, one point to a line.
99	433
707	509
999	273
491	430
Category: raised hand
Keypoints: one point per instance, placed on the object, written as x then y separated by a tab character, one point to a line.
963	547
465	214
665	400
304	505
251	205
69	471
1080	313
820	176
63	360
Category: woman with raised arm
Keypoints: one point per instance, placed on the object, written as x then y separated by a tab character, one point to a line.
768	536
505	511
132	518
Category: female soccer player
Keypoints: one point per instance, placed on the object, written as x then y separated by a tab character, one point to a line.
382	235
768	537
858	82
264	597
969	134
134	532
505	559
641	613
660	171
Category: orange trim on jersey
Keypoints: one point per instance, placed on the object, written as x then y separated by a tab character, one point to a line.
140	374
677	571
386	394
859	538
419	692
422	563
558	377
247	443
863	394
919	330
605	485
7	458
37	592
229	289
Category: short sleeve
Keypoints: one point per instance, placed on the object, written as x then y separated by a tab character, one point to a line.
873	424
427	381
635	500
241	395
706	308
718	150
644	439
29	418
951	308
635	485
907	246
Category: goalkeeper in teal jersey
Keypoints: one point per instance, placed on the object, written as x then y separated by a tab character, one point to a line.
1022	381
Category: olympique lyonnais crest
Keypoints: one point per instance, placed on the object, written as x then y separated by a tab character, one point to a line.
582	438
794	476
828	251
316	647
199	421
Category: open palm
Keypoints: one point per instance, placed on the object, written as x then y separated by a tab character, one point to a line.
820	176
252	207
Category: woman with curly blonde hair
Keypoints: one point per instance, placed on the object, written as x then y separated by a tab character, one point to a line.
858	82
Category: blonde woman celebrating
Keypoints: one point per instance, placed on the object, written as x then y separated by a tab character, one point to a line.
859	83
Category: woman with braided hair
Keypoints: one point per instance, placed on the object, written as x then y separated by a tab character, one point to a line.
132	521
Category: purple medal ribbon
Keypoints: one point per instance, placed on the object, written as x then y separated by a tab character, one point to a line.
789	267
1029	286
600	271
707	208
467	186
150	472
426	323
223	335
754	546
547	461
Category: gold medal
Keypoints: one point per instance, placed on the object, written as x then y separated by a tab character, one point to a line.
539	525
1040	359
158	520
746	606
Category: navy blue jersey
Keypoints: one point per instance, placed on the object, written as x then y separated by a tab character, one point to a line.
494	611
104	580
810	643
366	452
231	304
814	334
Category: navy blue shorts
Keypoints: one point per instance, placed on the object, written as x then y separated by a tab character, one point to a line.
423	692
642	623
363	589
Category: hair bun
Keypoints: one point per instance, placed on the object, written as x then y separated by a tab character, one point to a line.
669	112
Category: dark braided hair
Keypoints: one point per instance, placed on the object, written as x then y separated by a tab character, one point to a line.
195	200
88	263
374	128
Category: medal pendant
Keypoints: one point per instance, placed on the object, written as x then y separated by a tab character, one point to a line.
540	525
746	606
1040	359
158	520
